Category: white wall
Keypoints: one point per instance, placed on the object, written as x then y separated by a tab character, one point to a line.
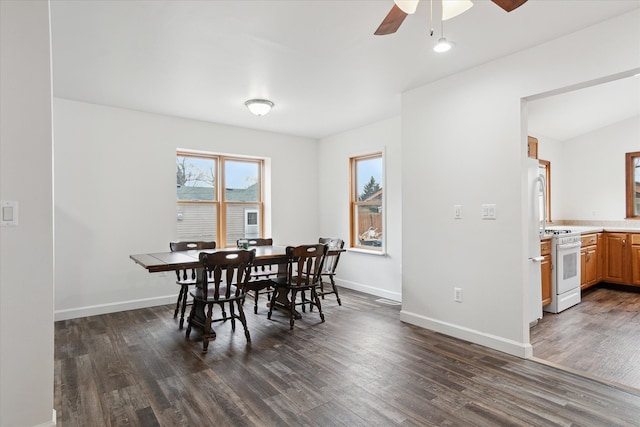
26	251
591	172
465	136
115	196
373	274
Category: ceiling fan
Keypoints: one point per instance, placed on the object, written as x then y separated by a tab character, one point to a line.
451	8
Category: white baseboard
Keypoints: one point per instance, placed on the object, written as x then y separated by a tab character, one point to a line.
395	296
523	350
93	310
51	423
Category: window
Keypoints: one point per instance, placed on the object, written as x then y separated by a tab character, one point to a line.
204	211
633	184
367	224
544	167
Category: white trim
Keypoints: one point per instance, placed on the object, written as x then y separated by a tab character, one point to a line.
94	310
379	292
50	423
524	350
367	251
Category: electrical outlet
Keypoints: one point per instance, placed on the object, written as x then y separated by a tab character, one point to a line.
457	294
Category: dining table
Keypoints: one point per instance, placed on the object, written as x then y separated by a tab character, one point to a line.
158	262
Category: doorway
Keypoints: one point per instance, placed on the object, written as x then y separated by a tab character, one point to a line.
597	338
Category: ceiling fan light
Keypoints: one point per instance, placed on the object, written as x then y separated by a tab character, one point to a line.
453	8
407	6
442	46
259	107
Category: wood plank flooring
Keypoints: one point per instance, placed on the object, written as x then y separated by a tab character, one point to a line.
600	336
362	367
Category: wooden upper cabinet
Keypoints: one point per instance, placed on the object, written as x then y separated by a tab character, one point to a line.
532	147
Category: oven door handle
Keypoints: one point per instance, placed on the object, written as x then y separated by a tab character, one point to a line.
569	246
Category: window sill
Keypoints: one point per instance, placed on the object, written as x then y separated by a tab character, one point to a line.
368	252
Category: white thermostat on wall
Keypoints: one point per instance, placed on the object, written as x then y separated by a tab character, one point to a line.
8	213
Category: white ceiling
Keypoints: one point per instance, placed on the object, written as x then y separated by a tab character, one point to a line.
317	60
576	113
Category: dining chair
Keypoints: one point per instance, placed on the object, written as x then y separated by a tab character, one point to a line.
259	280
330	264
303	272
187	277
224	279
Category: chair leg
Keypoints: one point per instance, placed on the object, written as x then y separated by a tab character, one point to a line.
206	334
314	295
335	290
303	298
255	304
292	309
224	313
233	316
189	319
243	319
273	302
175	313
184	290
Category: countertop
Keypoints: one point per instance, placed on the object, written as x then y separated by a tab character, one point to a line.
586	229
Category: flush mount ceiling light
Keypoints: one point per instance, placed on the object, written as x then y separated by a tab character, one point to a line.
259	107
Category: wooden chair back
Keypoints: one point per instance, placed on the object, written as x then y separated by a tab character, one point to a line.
260	242
227	273
305	264
189	274
331	260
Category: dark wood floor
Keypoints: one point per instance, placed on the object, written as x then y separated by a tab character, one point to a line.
363	367
600	336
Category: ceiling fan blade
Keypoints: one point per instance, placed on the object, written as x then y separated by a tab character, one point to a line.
391	22
509	5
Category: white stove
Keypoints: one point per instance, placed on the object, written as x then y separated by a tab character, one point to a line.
565	265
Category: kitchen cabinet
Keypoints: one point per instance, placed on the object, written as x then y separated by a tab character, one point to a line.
616	265
635	259
532	147
545	266
589	261
600	257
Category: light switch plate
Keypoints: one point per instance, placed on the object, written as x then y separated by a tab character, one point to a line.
489	211
8	213
457	211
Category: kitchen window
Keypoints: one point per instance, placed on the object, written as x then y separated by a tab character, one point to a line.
545	170
633	184
207	212
367	202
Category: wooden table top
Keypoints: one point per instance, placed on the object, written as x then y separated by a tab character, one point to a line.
169	261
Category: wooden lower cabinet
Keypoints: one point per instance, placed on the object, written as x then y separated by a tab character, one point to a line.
635	259
589	259
616	266
545	266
